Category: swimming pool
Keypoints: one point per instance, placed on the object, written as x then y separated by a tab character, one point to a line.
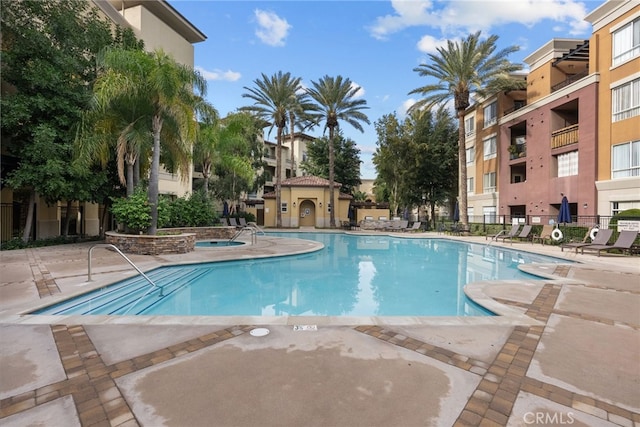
353	275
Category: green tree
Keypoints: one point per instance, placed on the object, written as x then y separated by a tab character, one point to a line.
347	163
392	157
274	97
336	100
461	68
172	93
48	66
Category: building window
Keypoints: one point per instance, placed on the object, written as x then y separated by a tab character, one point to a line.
471	155
568	164
284	207
489	182
491	114
489	213
625	160
470	188
469	125
626	42
617	207
470	214
626	100
490	148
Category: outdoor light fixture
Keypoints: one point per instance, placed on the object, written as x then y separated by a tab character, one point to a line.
320	204
294	204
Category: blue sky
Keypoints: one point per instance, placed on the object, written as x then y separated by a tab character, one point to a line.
376	44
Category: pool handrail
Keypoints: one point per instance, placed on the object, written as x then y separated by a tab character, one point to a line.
115	248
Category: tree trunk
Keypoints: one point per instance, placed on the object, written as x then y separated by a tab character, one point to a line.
130	180
30	211
136	172
292	119
67	219
154	175
332	214
278	180
433	214
462	168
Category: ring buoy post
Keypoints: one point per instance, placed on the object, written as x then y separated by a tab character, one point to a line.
556	234
594	231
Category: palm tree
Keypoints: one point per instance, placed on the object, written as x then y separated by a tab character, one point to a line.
464	67
274	97
335	100
167	89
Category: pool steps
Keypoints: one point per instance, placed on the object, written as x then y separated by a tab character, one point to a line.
131	296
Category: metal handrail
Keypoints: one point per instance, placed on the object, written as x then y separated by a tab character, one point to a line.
240	231
108	245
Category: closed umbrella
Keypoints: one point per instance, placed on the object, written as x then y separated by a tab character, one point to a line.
456	213
225	209
564	216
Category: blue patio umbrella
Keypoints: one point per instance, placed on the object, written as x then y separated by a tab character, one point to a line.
564	216
225	209
456	213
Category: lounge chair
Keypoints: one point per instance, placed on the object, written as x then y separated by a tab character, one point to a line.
524	234
234	223
399	225
501	234
601	238
224	222
623	242
242	221
415	227
544	234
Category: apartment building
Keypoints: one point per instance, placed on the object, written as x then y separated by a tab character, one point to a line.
159	25
574	132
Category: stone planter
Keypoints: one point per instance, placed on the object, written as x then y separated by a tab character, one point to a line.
180	241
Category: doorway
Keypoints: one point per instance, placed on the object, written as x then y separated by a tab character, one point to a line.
307	214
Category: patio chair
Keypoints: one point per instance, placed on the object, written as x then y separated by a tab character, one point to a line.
242	221
601	238
234	223
501	234
415	227
623	242
399	225
544	234
224	222
524	234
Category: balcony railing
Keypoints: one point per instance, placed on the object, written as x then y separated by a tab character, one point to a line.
564	136
572	78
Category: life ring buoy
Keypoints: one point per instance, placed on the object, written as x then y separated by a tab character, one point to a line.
593	233
556	234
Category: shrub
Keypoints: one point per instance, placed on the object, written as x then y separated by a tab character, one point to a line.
628	214
195	211
134	212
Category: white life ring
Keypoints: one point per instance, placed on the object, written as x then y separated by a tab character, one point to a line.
556	234
593	233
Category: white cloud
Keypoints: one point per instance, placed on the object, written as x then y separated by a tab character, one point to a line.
360	92
402	111
216	74
472	15
428	44
272	29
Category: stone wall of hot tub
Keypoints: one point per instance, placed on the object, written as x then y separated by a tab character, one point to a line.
168	240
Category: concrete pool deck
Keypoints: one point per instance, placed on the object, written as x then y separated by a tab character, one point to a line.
566	350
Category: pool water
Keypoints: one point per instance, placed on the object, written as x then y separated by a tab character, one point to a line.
352	276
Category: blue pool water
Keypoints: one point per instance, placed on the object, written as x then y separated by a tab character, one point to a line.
351	276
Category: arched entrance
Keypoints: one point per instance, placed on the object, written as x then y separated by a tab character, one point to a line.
307	214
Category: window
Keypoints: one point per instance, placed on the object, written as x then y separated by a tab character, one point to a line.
470	213
283	207
489	213
489	182
625	160
490	114
471	155
490	148
626	100
470	188
568	164
617	207
469	125
626	42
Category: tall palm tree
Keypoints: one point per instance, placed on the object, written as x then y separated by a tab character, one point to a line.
463	67
172	92
273	98
335	100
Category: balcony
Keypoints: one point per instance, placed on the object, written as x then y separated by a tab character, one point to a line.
517	151
565	136
570	79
